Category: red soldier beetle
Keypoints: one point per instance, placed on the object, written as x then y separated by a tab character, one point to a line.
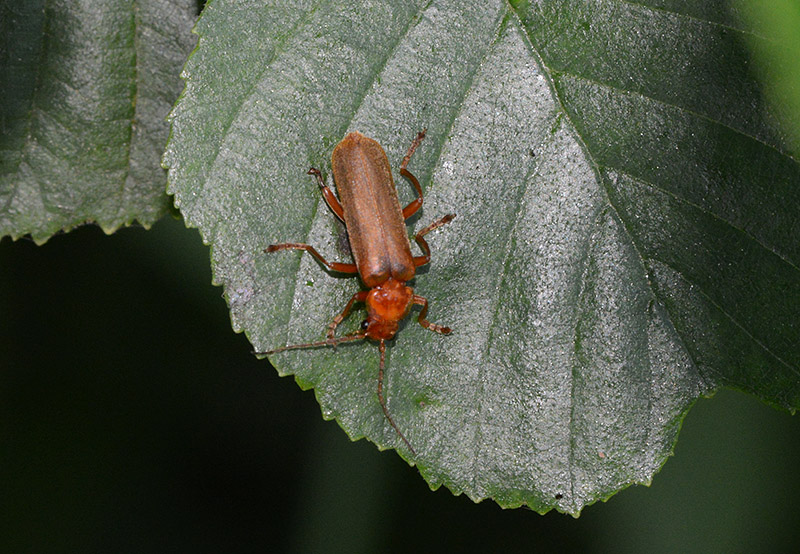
370	209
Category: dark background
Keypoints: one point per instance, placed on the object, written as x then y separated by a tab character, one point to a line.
133	419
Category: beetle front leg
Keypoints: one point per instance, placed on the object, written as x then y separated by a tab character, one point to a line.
357	297
422	301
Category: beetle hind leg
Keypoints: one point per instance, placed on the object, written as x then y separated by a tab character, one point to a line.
327	193
415	205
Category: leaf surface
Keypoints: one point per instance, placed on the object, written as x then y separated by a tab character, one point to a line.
626	240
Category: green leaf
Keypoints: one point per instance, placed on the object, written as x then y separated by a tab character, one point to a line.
86	88
627	235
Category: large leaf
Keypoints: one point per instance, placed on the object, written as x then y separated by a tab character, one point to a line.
85	89
627	235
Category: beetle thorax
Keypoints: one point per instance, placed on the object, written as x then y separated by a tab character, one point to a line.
387	304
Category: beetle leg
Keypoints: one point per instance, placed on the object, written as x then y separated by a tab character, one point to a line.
422	260
334	266
422	301
327	193
414	144
357	297
415	205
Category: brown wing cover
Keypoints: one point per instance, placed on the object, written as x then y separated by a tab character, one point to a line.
372	212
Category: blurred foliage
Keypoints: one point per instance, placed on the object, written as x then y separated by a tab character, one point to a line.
775	42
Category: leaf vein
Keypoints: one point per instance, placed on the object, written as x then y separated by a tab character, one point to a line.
709	213
632	93
733	320
686	16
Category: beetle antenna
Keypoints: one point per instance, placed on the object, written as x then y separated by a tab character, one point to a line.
382	348
328	342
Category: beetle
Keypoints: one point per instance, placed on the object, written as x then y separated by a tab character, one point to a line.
370	210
